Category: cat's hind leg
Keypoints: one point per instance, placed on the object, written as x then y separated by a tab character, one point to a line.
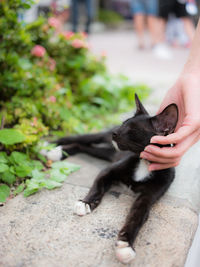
138	214
86	139
106	153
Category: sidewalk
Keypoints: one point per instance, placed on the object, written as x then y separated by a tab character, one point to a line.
141	66
43	231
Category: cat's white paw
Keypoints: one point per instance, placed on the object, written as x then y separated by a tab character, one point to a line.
81	208
55	154
124	252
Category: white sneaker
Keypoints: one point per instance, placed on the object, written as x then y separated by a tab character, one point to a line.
162	51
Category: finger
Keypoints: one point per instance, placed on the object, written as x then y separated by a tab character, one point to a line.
162	166
164	152
173	152
174	138
152	158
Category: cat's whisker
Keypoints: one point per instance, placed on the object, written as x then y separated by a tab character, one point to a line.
115	145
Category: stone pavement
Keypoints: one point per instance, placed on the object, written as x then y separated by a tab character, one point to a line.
43	231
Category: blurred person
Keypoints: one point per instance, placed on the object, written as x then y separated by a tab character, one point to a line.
75	14
182	9
175	32
145	11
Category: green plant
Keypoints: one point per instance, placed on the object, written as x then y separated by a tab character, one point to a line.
50	84
11	137
19	169
50	179
109	17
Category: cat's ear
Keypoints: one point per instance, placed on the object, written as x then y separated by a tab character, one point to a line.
139	107
165	122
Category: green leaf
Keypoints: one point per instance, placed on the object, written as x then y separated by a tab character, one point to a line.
18	158
47	147
37	175
37	165
3	157
3	167
32	187
19	189
23	170
12	169
8	177
65	167
49	184
11	136
28	191
57	176
25	64
42	158
4	192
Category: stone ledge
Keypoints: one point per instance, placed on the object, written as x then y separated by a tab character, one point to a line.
43	231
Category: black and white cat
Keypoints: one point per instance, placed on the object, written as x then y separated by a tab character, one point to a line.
126	167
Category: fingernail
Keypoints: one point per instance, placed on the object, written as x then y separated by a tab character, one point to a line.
142	155
153	140
148	149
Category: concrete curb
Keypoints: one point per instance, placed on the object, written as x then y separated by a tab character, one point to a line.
43	231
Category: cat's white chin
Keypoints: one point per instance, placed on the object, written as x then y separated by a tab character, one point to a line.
81	208
124	252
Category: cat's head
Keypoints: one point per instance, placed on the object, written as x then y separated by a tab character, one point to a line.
135	133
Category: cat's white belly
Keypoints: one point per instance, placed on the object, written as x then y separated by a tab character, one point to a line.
141	173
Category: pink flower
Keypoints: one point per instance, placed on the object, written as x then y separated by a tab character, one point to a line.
84	34
78	43
103	54
34	122
38	51
54	22
68	35
52	99
52	64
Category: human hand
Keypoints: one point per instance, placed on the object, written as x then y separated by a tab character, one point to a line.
186	94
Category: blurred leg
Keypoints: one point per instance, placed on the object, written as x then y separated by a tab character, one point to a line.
181	12
74	9
152	11
161	29
89	15
189	28
139	22
153	27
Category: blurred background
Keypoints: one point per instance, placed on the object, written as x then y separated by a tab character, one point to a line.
72	67
146	40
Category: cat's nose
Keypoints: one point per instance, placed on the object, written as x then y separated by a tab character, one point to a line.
114	135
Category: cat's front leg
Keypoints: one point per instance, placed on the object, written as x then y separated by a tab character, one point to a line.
101	185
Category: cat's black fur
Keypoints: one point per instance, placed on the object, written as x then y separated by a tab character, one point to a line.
131	137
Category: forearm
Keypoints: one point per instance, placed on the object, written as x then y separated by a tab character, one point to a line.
186	94
192	65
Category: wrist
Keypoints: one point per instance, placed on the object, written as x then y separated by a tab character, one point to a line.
191	68
193	62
